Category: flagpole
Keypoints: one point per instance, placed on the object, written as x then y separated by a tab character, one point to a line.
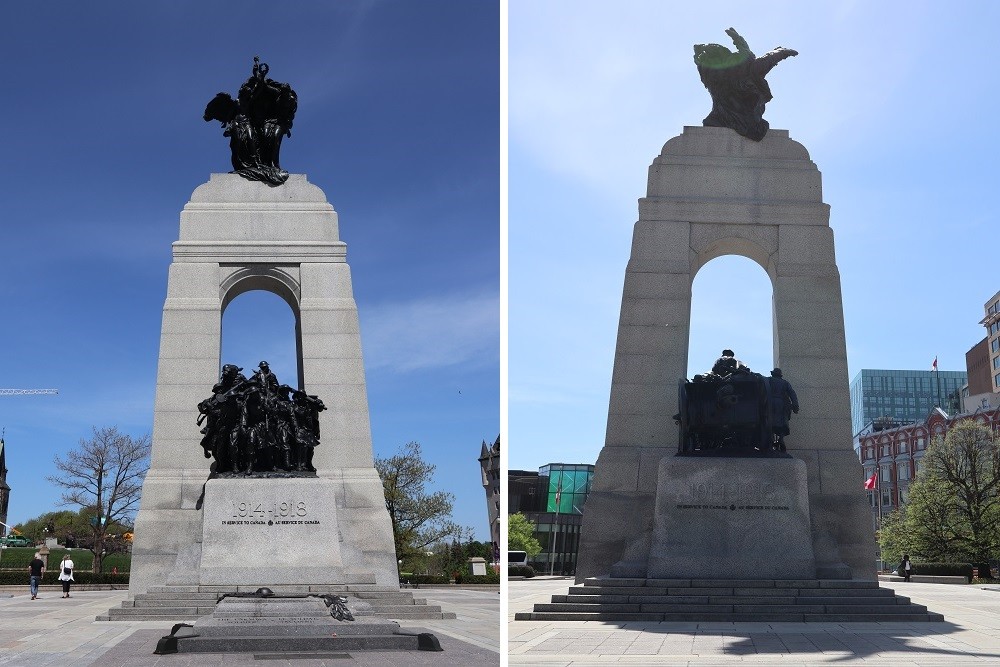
555	535
937	377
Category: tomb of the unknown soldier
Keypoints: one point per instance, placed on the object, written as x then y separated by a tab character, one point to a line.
729	496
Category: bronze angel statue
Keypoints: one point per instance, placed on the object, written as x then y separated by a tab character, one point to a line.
737	85
255	122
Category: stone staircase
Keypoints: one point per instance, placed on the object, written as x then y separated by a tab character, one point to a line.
769	600
188	603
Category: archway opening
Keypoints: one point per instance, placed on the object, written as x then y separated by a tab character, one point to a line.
731	307
258	325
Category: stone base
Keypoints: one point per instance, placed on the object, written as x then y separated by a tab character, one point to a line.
731	518
274	531
241	625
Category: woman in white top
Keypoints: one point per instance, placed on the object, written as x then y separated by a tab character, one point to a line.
66	573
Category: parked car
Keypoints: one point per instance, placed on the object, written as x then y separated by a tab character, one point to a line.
16	541
517	558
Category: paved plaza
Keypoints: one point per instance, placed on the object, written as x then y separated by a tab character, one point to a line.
56	631
970	635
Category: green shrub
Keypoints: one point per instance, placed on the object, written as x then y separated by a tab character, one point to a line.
417	579
944	570
525	571
19	557
19	577
478	579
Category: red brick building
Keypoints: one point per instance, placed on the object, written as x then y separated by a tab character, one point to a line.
895	453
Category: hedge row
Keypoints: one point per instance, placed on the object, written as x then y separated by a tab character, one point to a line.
19	557
944	569
478	579
416	579
525	571
18	577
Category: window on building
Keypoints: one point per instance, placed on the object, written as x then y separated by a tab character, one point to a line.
903	470
996	360
902	447
886	450
902	496
886	497
885	472
995	345
996	379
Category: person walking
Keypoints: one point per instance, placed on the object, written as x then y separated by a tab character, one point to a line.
66	573
36	568
905	567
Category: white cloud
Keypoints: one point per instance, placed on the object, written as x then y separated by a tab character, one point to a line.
432	332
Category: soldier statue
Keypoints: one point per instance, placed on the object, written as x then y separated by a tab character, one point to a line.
252	426
783	401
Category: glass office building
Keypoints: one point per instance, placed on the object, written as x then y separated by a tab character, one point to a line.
903	396
553	499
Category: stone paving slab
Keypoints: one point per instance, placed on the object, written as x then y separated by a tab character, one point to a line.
53	631
969	635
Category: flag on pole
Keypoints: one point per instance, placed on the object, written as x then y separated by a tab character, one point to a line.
934	365
870	484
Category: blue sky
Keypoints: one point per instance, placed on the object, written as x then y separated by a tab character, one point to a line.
398	123
894	101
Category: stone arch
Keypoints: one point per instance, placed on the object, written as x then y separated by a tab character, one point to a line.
280	281
283	282
762	318
708	243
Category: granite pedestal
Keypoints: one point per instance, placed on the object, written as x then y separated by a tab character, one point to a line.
731	518
271	532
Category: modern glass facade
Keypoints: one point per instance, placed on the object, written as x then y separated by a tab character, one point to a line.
903	396
553	499
567	488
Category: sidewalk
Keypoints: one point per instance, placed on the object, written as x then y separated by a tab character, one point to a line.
56	631
970	635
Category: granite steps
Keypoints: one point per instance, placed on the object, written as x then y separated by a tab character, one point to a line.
188	603
767	600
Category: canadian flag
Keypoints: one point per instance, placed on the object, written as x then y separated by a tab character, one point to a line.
934	365
870	484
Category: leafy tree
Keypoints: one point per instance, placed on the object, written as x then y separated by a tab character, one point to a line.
520	535
953	510
967	462
419	519
51	524
103	476
73	529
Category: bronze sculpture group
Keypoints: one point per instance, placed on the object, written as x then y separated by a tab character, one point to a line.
737	85
255	122
259	426
732	411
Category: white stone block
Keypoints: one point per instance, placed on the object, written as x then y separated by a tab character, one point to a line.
271	530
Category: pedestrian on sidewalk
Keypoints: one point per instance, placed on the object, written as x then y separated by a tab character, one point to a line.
905	567
66	573
36	568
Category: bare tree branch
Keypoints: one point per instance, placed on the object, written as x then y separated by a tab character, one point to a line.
105	474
